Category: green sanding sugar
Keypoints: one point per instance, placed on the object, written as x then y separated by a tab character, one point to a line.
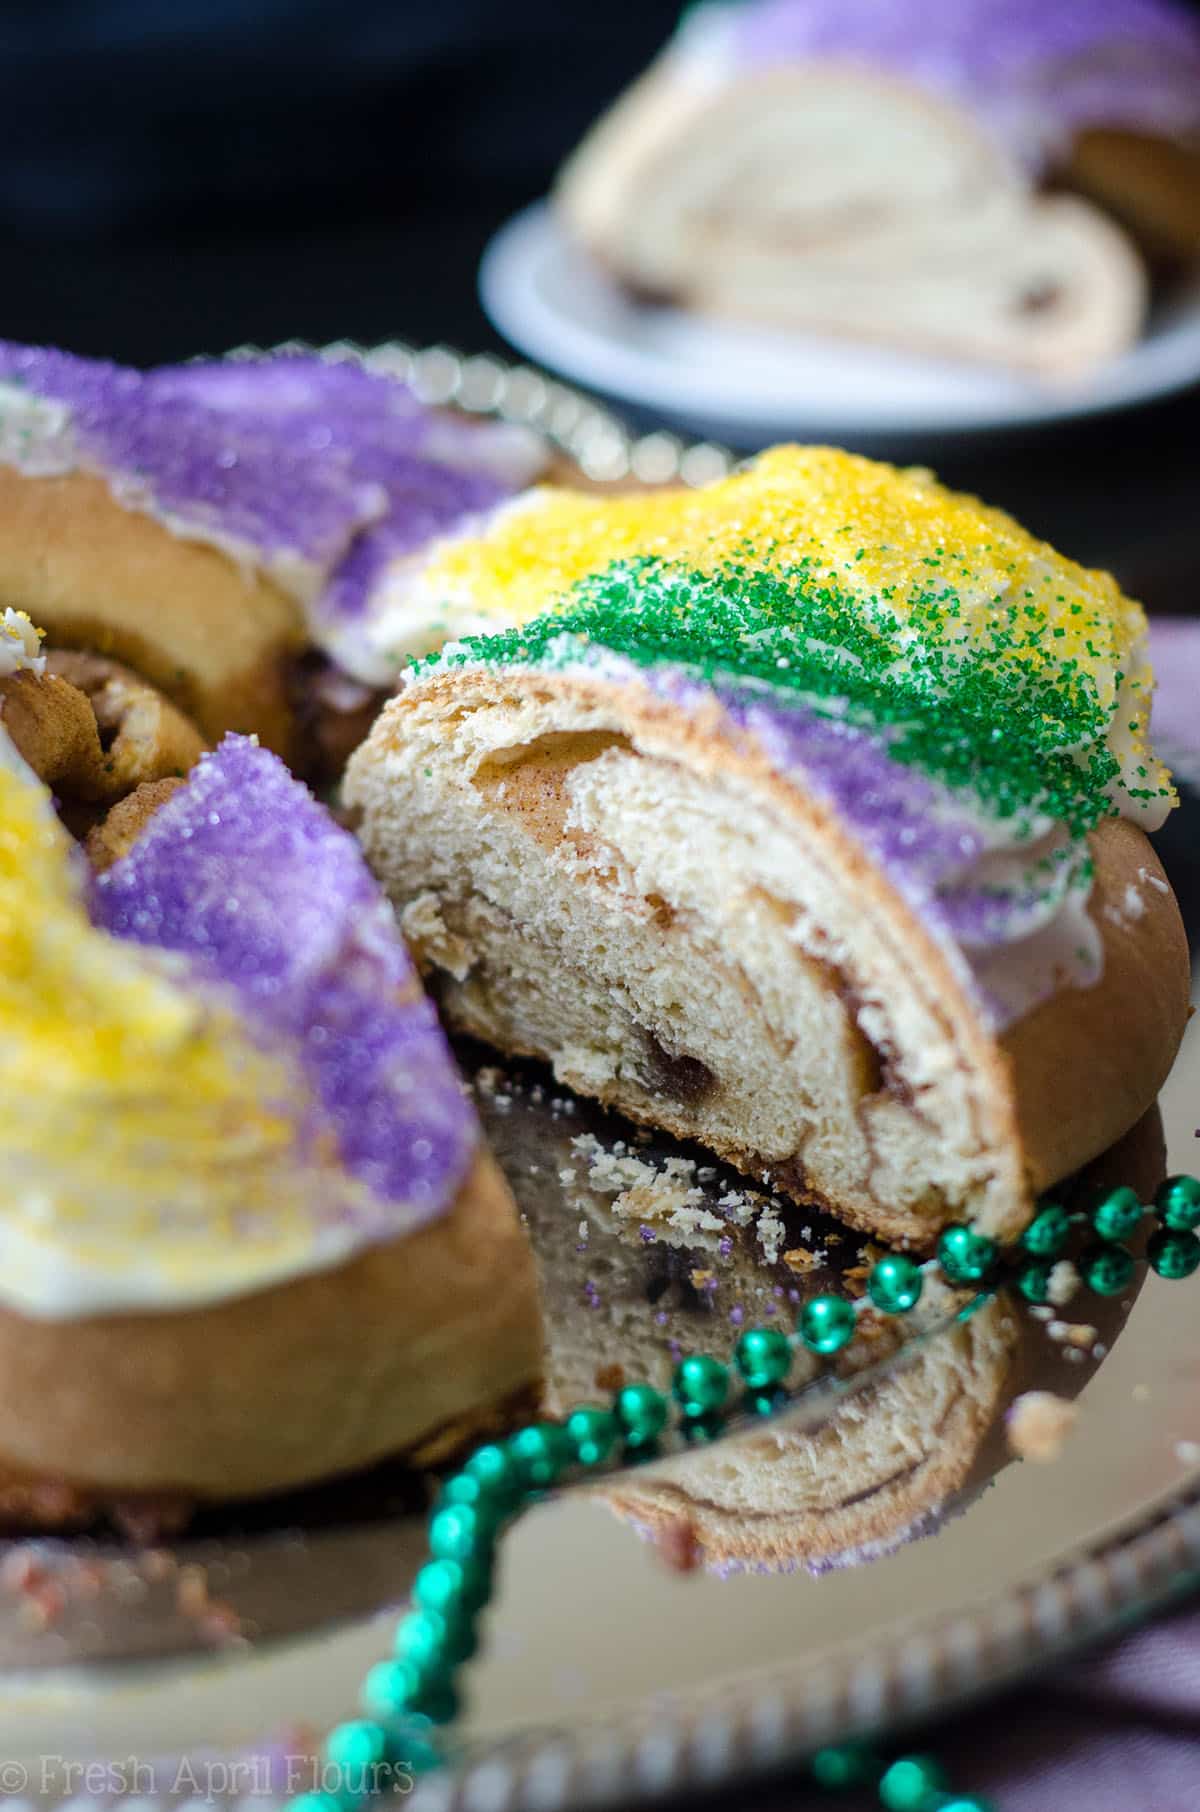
990	711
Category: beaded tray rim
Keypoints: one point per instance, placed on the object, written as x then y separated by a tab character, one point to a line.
754	1724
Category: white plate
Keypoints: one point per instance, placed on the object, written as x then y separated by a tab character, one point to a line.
750	385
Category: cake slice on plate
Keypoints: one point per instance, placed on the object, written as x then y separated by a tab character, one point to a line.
897	175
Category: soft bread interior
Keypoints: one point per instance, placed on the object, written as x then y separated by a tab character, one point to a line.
839	202
682	942
614	886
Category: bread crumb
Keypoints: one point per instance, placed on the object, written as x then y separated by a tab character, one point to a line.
771	1234
609	1377
1062	1284
738	1206
800	1260
1038	1423
1079	1334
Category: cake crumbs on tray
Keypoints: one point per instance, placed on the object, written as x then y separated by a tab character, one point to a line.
1038	1423
1062	1283
1079	1336
800	1260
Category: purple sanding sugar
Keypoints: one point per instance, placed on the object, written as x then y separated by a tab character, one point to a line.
293	457
226	474
243	873
933	844
424	501
913	827
1033	72
434	477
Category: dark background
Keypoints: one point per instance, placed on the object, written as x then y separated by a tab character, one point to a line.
179	176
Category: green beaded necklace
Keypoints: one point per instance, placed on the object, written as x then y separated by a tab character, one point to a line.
408	1697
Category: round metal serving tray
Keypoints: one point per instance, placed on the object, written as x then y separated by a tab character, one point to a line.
209	1666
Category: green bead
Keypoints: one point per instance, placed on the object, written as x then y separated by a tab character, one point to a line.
452	1586
763	1356
392	1687
461	1532
358	1752
1118	1215
764	1402
439	1701
1033	1281
426	1637
464	1488
415	1747
847	1765
707	1426
912	1784
826	1323
593	1433
1177	1204
542	1452
965	1256
1106	1268
895	1284
964	1802
1173	1255
642	1412
496	1471
356	1745
315	1802
1048	1231
700	1384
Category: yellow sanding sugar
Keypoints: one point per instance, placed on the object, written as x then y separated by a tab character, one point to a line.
882	534
140	1126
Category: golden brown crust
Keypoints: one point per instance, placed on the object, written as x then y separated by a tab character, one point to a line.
311	1379
53	728
117	833
1087	1064
92	730
143	737
216	638
1151	184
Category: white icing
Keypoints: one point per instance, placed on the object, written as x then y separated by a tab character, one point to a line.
20	646
407	616
36	434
